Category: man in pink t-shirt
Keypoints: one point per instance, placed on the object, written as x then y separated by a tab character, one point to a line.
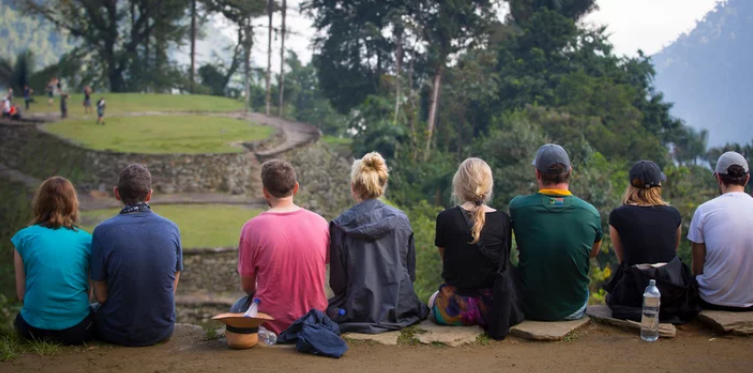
283	253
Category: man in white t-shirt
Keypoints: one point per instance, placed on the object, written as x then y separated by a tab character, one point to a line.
722	237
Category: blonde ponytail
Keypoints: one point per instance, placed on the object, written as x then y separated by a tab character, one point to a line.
369	176
473	183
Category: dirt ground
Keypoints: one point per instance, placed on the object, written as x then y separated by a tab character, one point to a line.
596	348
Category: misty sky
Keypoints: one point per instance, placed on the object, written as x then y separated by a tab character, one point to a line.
633	24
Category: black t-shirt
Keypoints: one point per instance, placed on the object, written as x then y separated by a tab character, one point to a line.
648	233
464	265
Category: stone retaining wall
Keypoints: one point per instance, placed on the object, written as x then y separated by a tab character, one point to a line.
215	272
40	154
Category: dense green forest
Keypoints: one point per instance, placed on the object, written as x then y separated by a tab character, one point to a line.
707	73
427	84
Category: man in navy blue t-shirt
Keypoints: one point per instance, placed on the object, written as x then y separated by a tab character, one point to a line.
135	265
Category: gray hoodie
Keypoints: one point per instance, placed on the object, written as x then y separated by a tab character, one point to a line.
372	269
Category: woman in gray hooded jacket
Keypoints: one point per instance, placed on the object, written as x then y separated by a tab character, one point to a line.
372	258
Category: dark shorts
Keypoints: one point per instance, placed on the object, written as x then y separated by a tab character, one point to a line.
75	335
101	113
87	102
50	94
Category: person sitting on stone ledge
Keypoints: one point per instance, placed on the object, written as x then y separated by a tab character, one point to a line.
474	242
135	267
282	254
373	258
722	236
557	234
645	234
51	260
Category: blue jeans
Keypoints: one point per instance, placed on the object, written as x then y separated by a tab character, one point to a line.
581	312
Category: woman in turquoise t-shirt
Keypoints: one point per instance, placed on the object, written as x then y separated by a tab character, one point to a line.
52	266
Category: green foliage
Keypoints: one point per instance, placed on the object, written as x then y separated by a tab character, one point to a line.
428	263
201	226
15	214
19	33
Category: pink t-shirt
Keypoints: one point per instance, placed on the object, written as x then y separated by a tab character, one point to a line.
288	253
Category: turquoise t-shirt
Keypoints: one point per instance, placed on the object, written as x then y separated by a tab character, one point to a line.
56	262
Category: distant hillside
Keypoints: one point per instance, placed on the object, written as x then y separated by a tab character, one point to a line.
708	73
18	33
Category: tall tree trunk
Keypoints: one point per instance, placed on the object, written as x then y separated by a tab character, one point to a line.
282	60
270	4
191	75
398	70
248	39
434	102
411	111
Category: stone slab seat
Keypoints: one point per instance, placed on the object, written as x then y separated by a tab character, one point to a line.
603	314
452	336
740	323
388	338
547	330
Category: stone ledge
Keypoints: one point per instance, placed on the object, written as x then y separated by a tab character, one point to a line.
389	338
547	330
728	322
452	336
209	250
603	314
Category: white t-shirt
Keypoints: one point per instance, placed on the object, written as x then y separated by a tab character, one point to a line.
725	225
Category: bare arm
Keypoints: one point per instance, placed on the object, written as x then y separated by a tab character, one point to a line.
441	252
18	264
175	283
100	291
679	236
616	243
699	258
248	284
595	249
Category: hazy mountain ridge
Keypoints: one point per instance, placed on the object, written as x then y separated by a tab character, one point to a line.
707	73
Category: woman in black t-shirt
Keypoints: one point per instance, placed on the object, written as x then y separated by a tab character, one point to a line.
645	229
468	268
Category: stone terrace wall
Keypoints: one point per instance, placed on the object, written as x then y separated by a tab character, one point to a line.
40	154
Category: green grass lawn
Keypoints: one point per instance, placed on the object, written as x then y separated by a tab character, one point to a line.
201	226
162	133
123	103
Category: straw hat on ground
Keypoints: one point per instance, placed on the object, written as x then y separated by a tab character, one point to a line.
241	331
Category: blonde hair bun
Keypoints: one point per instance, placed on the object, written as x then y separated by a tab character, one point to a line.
369	176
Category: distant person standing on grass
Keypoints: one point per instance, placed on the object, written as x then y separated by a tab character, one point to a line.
282	254
135	266
27	96
87	100
101	111
51	260
64	105
50	91
557	235
722	235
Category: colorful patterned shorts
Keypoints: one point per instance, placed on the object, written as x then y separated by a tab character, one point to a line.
451	308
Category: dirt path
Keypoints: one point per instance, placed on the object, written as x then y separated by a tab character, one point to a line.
597	349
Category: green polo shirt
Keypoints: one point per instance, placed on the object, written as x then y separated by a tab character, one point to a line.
555	232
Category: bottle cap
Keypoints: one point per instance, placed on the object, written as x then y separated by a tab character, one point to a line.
341	312
258	301
652	282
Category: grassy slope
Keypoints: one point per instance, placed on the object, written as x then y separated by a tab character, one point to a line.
200	225
162	134
122	103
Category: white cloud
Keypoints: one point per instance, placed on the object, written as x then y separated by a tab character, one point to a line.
648	25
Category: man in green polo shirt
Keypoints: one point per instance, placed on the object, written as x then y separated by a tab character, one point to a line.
557	234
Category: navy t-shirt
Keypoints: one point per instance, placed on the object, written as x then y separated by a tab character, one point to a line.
137	255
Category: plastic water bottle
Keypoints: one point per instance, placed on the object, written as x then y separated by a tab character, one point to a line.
650	319
253	309
267	337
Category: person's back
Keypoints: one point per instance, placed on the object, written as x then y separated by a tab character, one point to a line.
287	253
556	234
137	256
722	237
52	265
373	259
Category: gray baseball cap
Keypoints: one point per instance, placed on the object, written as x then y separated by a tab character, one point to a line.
730	159
550	155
